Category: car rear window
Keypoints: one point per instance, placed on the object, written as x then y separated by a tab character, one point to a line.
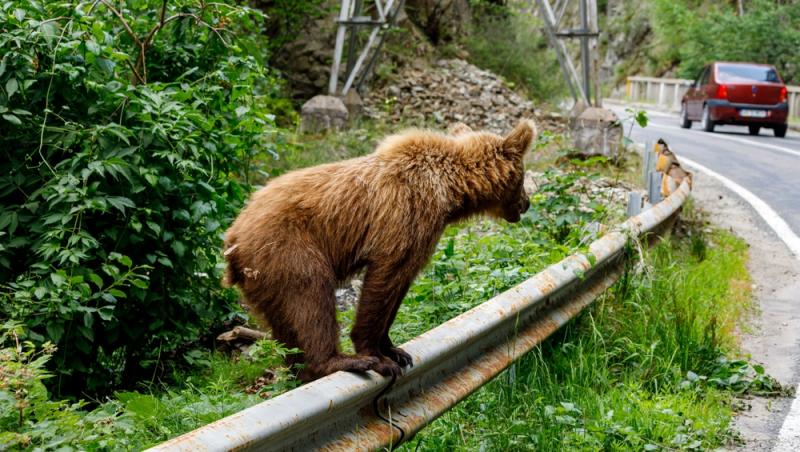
732	73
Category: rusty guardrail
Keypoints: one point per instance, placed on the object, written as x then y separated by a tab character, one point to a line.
346	411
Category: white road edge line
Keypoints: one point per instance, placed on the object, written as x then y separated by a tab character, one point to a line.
789	435
766	212
736	139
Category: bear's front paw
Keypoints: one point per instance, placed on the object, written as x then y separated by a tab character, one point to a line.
399	356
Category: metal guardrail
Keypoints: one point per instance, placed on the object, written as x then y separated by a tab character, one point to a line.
664	92
668	92
347	411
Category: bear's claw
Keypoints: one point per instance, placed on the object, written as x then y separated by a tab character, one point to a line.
400	356
388	368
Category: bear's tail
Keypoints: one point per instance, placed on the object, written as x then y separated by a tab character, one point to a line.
233	274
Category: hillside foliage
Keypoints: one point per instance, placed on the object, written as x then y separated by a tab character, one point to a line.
127	136
694	35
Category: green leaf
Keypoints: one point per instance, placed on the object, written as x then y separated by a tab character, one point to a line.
88	319
55	330
92	47
140	283
154	227
12	119
143	405
5	219
126	261
117	293
120	203
242	110
641	118
11	87
58	279
96	279
106	313
178	247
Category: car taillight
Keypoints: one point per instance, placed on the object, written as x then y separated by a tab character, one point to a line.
784	93
722	92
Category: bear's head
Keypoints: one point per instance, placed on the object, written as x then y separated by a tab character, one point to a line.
513	201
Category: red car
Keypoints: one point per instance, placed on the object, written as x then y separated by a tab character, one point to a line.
746	94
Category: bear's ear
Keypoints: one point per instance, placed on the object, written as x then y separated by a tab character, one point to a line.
519	140
458	128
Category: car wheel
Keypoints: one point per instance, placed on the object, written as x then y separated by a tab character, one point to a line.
706	122
685	122
780	131
754	129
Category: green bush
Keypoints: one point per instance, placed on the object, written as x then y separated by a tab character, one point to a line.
506	42
767	33
127	138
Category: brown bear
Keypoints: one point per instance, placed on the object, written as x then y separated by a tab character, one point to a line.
310	229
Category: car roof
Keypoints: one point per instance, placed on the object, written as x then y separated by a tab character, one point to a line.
743	63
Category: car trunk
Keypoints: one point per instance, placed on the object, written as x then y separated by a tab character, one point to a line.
754	93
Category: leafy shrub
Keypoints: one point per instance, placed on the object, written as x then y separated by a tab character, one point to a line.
694	38
127	139
557	209
501	41
29	419
285	17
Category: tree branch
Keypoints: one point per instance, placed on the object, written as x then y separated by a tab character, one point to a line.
123	21
135	72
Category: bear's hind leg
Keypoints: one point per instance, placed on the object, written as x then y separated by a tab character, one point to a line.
287	337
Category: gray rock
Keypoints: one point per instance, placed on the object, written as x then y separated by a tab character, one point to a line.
353	103
322	113
597	131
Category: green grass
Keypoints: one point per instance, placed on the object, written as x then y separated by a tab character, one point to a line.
650	366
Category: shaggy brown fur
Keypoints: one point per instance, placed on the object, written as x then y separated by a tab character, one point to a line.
670	168
310	229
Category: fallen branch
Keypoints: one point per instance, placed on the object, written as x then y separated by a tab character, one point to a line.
241	333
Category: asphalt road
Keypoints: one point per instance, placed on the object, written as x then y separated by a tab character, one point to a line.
767	166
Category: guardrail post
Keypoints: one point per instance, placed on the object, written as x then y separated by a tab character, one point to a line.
635	202
675	100
654	188
661	88
648	163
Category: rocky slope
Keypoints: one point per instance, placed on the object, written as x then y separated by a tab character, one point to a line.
453	91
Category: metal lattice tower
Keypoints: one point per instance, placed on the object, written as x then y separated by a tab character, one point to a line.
352	20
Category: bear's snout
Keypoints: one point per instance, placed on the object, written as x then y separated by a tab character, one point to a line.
513	212
526	204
